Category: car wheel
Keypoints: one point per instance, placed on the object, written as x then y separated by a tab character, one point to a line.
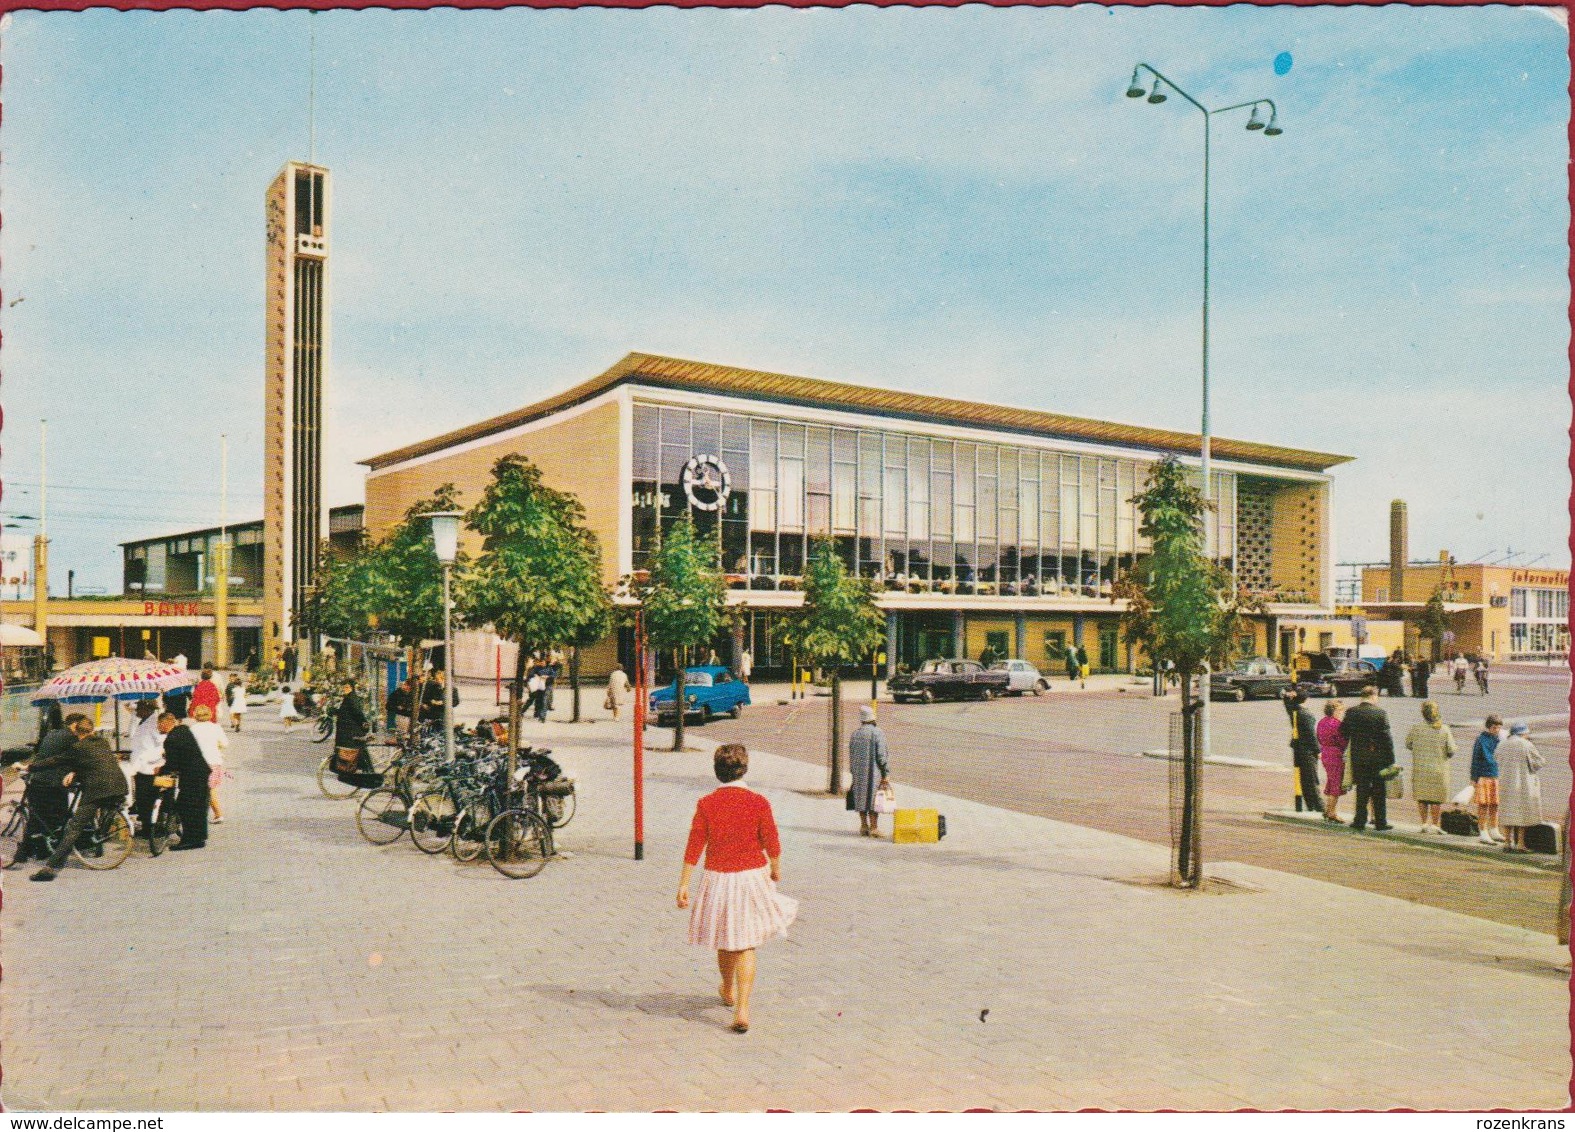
987	695
1237	695
1040	687
926	697
705	714
735	711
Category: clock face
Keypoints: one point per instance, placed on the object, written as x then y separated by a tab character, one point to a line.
706	482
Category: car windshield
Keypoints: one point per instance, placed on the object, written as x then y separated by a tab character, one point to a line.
933	666
697	679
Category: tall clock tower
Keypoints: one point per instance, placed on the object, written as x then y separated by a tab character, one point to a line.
294	523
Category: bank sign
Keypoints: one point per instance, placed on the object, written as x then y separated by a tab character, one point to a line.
173	609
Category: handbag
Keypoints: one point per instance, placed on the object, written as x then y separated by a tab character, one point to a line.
1394	781
850	798
885	800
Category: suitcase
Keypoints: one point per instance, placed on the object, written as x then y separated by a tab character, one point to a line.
1543	838
1461	823
917	826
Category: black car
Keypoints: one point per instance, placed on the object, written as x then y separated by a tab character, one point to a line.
1258	678
948	679
1339	675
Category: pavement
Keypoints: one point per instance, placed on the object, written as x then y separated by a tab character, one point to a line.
1022	963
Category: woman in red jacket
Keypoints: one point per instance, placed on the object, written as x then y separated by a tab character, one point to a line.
738	907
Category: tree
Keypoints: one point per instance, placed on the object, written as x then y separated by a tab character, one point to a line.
684	598
538	581
1434	622
1184	608
838	625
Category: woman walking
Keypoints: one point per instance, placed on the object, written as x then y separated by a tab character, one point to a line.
738	906
1484	780
1331	752
866	761
1431	746
1520	790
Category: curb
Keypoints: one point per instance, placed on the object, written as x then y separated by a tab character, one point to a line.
1449	843
1219	760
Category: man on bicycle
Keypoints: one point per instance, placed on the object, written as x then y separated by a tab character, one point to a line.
351	728
49	806
93	768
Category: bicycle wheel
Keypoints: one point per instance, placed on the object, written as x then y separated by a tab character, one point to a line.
517	842
325	727
159	828
13	827
328	782
432	822
383	816
470	832
108	844
559	809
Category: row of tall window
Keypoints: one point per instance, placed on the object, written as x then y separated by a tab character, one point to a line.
915	513
1541	605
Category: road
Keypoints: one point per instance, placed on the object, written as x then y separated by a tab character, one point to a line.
1077	758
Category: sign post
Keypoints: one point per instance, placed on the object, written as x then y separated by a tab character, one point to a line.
640	698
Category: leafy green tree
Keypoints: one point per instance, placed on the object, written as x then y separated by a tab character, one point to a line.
838	625
1184	608
538	580
684	600
1434	622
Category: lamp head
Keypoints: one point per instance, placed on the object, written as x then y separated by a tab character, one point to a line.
445	535
1272	130
1135	88
1255	122
1156	96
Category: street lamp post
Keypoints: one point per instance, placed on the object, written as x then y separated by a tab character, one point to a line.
1270	127
445	542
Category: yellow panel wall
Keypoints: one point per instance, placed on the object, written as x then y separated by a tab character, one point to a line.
578	455
1298	538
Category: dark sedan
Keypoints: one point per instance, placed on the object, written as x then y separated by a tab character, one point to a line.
948	679
1255	679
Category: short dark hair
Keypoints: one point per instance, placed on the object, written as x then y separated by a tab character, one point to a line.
730	762
75	718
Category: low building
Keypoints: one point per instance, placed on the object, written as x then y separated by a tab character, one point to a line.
983	526
1501	612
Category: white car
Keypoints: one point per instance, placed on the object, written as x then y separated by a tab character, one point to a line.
1021	677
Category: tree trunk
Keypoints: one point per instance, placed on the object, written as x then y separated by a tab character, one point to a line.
574	679
678	701
516	714
413	654
834	756
1189	868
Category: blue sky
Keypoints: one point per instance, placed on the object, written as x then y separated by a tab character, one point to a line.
958	201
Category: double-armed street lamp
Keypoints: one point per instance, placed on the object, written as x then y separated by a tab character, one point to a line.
445	542
1147	83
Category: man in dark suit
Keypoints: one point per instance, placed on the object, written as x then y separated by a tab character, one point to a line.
183	758
92	766
1372	748
1304	749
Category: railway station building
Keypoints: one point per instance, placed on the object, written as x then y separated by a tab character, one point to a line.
982	526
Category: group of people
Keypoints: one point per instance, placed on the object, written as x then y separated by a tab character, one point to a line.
1355	749
72	754
419	698
1419	670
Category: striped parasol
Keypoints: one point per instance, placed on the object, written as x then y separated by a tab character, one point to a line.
113	678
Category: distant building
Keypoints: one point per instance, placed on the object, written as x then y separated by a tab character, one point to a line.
982	526
1503	612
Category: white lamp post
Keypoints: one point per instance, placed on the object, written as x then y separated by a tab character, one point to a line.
445	542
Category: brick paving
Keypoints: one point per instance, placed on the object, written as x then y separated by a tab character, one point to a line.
292	965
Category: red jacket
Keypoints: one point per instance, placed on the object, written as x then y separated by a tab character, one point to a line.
734	826
206	693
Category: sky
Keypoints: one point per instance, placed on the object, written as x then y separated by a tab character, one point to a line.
952	201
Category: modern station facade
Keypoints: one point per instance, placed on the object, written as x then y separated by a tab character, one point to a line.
982	527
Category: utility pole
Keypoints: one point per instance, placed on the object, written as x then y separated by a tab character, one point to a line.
41	542
221	569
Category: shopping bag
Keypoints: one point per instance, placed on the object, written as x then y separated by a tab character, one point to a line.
885	800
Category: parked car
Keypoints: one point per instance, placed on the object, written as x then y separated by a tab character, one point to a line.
1258	678
709	690
1340	675
947	679
1021	677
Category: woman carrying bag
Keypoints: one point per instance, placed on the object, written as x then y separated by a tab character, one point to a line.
866	761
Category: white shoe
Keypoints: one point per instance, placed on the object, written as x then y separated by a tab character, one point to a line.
1496	835
1486	838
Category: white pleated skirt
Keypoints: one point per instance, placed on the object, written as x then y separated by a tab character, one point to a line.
739	911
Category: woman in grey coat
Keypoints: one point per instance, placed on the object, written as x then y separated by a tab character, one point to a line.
867	762
1431	745
1519	789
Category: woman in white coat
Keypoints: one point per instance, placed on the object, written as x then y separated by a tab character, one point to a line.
1519	788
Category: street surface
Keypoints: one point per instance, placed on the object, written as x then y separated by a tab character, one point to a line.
1024	962
1071	757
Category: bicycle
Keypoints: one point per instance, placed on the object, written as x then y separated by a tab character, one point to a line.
383	816
519	841
105	845
163	818
332	786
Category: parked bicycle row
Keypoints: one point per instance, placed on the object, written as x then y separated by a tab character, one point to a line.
466	805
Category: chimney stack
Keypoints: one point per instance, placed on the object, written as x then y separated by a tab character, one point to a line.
1398	553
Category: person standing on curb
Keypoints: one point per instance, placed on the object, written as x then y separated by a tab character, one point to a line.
1304	748
96	770
1082	667
1372	749
866	756
1072	668
1331	749
738	906
1484	780
1520	789
1431	746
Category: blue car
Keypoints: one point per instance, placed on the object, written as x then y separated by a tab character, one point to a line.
709	690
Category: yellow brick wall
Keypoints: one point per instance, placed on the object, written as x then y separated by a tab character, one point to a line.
1298	534
578	455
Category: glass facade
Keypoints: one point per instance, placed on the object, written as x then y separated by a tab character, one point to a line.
914	513
1539	621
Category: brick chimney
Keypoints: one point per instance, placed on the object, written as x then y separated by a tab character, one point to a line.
1398	555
